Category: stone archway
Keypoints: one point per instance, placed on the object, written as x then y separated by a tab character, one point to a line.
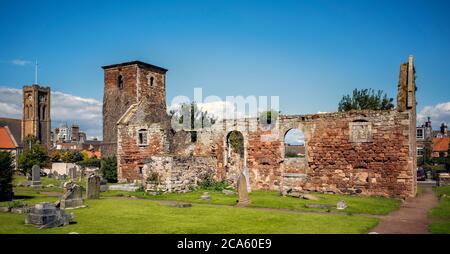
235	156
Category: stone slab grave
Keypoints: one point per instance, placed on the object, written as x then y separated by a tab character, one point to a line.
93	187
177	204
47	215
124	187
72	197
36	177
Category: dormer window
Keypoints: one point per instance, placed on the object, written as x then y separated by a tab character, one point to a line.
142	137
120	82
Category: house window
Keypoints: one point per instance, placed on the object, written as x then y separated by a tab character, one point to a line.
419	133
420	151
120	82
142	137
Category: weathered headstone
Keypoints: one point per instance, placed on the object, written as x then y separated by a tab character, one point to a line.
35	176
47	215
103	185
206	196
73	196
73	173
341	205
93	187
242	191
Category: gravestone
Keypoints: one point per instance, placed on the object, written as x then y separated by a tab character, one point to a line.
93	187
72	197
73	173
103	185
243	191
35	176
47	215
341	205
206	196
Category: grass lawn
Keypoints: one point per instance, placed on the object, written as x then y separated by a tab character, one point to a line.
272	199
440	215
112	214
109	215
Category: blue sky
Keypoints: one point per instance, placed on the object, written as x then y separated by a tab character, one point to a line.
309	53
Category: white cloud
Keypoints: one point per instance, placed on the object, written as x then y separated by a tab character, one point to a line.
20	62
86	112
439	113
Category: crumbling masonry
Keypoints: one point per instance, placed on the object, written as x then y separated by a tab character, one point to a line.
362	152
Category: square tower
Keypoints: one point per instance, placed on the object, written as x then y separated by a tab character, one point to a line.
124	85
36	113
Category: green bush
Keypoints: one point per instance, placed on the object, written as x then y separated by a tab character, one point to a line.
6	175
108	169
213	185
90	163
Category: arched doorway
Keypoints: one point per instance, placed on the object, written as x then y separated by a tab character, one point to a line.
295	152
234	156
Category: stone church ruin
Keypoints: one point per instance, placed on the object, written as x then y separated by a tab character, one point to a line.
357	152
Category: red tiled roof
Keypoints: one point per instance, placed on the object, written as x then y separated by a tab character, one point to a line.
441	144
6	139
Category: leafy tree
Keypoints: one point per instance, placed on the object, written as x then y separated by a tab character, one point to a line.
85	155
77	156
55	156
108	169
236	142
190	117
365	99
36	155
30	140
67	157
268	117
6	175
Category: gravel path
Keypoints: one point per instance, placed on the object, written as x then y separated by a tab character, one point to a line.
411	218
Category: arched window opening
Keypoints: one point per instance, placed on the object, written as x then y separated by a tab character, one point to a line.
120	82
294	144
44	116
151	81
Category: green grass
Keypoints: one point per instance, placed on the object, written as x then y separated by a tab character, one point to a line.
271	199
144	216
440	215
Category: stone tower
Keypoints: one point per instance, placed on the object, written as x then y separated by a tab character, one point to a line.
124	85
36	113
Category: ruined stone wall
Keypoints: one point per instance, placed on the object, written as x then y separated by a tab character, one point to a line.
131	156
364	152
375	163
168	173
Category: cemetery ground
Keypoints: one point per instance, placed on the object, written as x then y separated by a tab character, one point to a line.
138	212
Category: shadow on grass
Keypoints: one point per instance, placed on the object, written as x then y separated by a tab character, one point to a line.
23	197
